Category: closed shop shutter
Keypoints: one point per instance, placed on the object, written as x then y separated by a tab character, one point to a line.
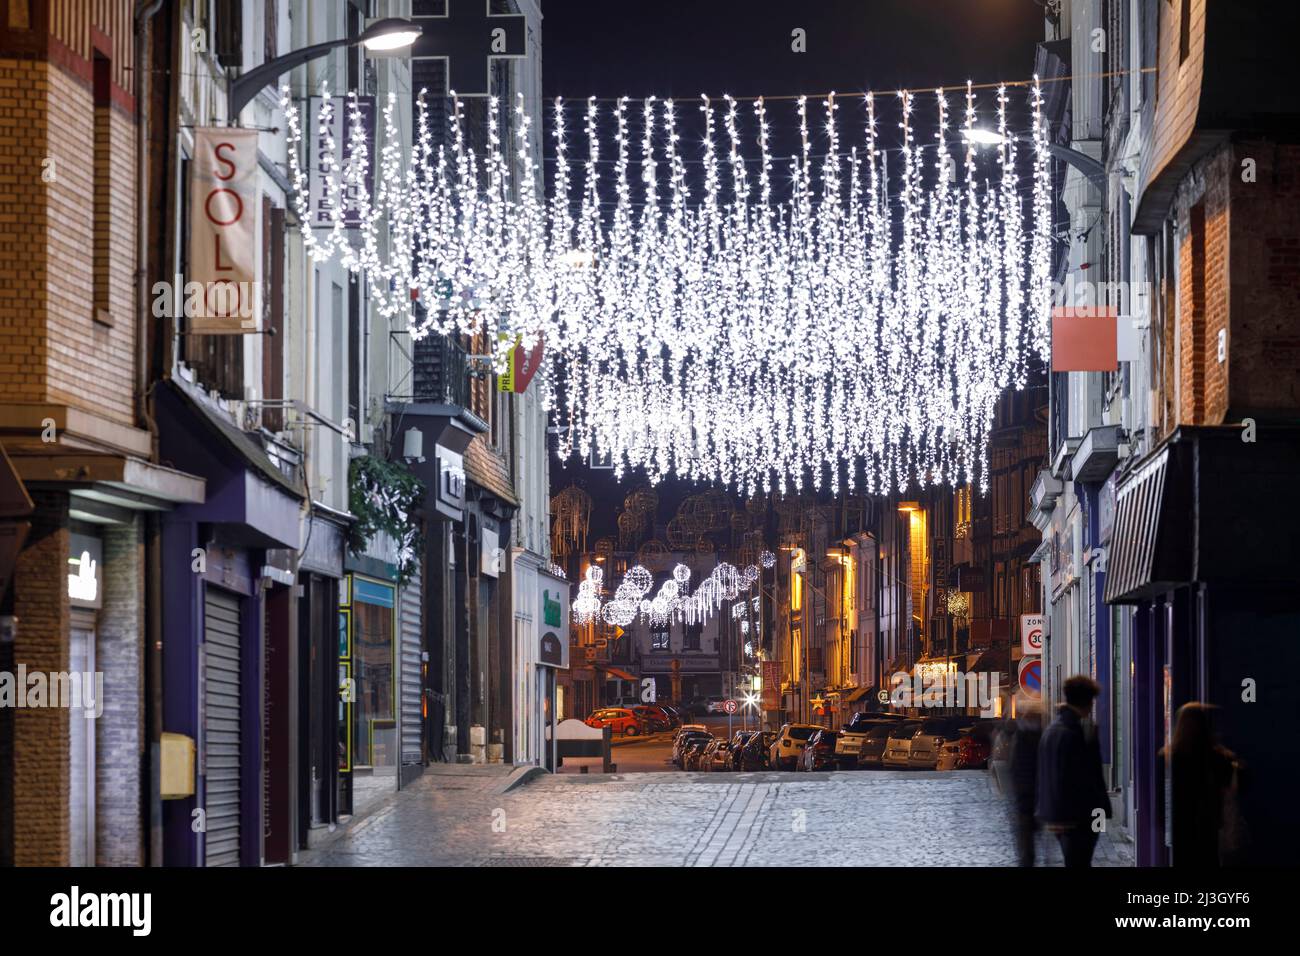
409	663
221	726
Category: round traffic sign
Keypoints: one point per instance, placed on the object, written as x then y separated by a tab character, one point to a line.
1031	676
729	706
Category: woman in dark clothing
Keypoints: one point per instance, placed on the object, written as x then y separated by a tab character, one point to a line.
1202	773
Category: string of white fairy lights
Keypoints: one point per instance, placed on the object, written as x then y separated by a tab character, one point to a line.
673	601
717	332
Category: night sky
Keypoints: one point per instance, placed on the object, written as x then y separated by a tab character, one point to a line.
681	49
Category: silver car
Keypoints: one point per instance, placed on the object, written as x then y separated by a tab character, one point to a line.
898	748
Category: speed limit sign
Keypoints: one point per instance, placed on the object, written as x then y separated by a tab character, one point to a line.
1032	627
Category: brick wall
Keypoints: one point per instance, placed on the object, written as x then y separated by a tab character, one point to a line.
1264	236
120	731
55	350
23	371
41	758
1202	211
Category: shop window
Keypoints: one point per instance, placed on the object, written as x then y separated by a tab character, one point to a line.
660	638
693	633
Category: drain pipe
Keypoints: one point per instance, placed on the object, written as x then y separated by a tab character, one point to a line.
144	13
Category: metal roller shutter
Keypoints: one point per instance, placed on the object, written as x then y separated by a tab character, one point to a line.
221	726
409	662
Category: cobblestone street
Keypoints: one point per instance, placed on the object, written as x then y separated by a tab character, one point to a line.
456	816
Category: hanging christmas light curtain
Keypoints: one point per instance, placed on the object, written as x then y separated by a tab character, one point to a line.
859	328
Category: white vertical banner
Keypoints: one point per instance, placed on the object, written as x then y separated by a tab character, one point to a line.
223	294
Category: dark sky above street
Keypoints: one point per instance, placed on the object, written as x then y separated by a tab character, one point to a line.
743	47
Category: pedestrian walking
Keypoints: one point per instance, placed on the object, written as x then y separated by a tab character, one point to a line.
1071	788
1206	826
1023	775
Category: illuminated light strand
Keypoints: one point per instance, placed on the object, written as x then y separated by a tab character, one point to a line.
721	334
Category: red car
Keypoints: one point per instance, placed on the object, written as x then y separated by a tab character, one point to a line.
620	719
973	751
654	717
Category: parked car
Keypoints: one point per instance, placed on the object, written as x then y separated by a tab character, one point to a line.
975	748
673	713
695	707
789	743
738	741
933	734
871	752
694	753
685	741
851	739
898	746
715	705
621	720
754	755
655	718
819	754
949	756
716	755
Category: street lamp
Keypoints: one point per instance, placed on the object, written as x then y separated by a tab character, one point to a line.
1084	163
382	36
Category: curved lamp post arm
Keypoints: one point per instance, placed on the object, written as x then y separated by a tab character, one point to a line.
244	88
387	35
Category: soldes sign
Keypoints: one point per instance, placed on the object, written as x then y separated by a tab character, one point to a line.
224	251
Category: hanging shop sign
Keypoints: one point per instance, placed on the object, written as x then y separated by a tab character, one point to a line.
335	135
771	685
553	650
223	294
85	557
523	365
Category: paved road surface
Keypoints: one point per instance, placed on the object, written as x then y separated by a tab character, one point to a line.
453	815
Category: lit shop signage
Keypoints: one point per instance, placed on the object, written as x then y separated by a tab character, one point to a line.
553	649
84	559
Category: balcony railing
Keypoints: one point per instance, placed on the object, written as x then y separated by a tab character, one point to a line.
433	370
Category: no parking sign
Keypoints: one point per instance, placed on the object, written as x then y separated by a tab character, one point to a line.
1031	677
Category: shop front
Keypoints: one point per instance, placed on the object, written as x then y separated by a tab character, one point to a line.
1210	585
229	626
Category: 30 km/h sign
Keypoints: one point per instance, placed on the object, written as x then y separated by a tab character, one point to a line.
729	707
1031	676
1031	633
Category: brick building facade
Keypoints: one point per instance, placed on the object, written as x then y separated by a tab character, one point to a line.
71	421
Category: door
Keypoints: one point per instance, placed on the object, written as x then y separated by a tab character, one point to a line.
81	750
221	751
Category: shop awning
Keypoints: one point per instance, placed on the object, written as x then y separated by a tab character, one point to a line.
972	660
855	695
1150	544
617	672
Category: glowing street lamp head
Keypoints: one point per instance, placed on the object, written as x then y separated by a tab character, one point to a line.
983	137
392	33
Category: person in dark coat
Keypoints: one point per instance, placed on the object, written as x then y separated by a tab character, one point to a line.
1071	787
1023	772
1202	772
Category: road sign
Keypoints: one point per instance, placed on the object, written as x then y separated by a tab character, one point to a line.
1032	627
729	707
1031	676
